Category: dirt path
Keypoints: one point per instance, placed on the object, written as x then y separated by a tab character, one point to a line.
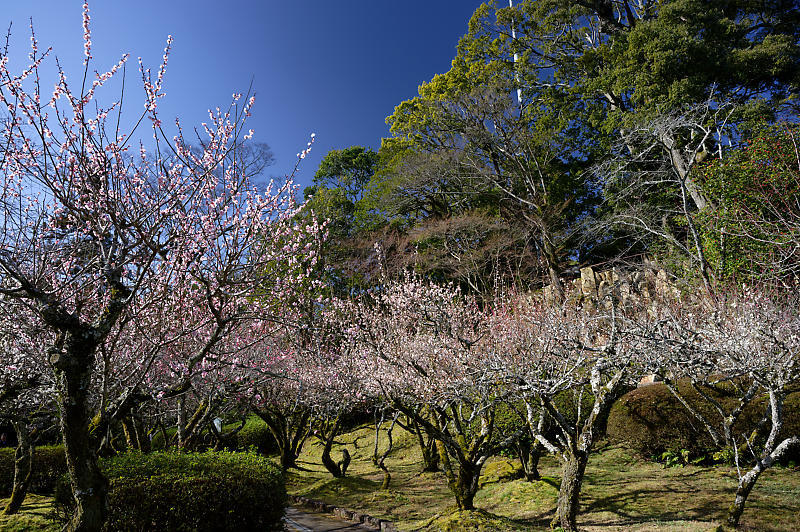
301	521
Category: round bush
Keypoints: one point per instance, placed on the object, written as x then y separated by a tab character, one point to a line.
255	434
190	491
650	420
49	464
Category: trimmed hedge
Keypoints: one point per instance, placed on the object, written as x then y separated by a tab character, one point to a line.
49	464
255	434
651	421
191	491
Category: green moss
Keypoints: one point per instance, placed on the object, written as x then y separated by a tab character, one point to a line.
49	463
476	521
501	471
34	516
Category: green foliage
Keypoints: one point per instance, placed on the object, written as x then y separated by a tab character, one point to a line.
157	443
754	226
587	72
49	464
501	471
256	435
672	54
680	458
652	422
348	170
339	197
473	521
191	491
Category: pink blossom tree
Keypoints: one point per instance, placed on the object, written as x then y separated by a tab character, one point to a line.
424	356
97	228
26	389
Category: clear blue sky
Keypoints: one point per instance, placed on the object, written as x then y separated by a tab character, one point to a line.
334	67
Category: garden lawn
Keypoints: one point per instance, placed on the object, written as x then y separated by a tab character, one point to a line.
621	492
34	516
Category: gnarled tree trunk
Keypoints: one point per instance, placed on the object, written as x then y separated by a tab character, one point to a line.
290	433
466	485
23	465
327	433
73	368
529	455
570	491
770	454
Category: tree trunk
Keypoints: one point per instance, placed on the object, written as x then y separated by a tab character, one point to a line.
570	491
430	456
73	369
746	484
767	459
329	438
23	464
287	453
345	462
130	437
529	455
141	434
290	434
466	486
332	467
380	459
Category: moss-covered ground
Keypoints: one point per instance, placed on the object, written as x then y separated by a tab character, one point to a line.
621	492
34	516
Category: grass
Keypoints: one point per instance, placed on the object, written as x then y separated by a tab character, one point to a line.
34	516
621	492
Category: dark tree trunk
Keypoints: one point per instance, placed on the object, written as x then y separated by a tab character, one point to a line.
290	434
328	435
135	435
345	462
141	435
426	443
130	434
430	456
288	458
466	486
73	369
529	455
570	491
23	464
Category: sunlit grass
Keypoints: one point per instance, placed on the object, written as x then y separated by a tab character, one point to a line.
34	516
620	493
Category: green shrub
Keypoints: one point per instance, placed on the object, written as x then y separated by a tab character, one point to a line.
157	442
49	463
255	434
651	421
190	491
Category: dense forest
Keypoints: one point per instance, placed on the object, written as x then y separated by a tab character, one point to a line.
575	133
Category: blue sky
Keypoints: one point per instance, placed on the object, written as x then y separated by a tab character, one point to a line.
333	67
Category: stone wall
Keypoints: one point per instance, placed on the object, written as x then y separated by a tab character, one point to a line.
593	286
